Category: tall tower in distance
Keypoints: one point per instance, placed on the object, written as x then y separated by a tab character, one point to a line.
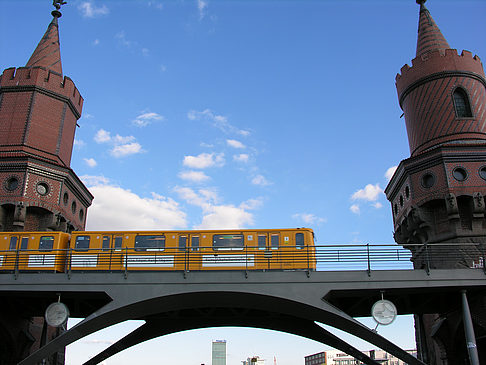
437	194
218	353
39	109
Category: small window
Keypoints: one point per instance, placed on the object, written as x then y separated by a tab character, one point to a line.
81	215
275	241
195	243
428	180
460	174
182	243
262	242
482	172
46	243
42	188
65	198
228	242
299	241
407	192
73	207
118	242
461	104
106	243
24	243
149	243
401	200
13	243
82	243
12	184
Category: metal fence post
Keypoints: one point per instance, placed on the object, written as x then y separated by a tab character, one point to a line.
368	258
16	267
126	262
427	260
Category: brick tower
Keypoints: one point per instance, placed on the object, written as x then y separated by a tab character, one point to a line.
39	109
437	194
38	113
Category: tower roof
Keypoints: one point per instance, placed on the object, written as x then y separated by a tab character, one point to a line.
429	37
48	53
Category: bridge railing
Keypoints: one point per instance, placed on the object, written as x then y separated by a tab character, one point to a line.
317	257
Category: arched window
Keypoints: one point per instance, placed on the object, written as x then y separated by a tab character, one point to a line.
461	104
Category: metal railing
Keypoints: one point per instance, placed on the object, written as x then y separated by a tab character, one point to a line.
319	257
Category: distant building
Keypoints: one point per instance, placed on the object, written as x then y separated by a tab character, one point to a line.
336	357
219	352
254	360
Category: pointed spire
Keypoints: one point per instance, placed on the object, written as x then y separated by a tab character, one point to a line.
48	53
429	36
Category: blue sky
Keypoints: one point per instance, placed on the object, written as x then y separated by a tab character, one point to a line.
203	114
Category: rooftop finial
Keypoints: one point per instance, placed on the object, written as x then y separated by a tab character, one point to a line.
57	4
420	2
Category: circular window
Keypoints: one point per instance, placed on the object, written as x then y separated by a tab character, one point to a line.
401	200
407	192
42	188
459	173
73	207
81	215
12	183
428	180
482	172
65	198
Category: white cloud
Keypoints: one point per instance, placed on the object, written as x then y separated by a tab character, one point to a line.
96	42
126	149
91	162
377	205
243	157
354	208
389	173
163	68
369	193
219	216
156	5
114	208
204	160
235	144
260	180
194	176
90	10
79	143
308	218
122	39
122	145
207	145
92	180
102	136
145	119
218	121
201	7
145	52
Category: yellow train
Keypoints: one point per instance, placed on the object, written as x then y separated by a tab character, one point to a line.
258	249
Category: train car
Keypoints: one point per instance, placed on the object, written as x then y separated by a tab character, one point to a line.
281	249
33	251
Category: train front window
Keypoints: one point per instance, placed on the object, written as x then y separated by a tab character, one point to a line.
149	243
275	241
182	243
13	243
118	242
262	242
24	243
228	242
195	243
82	243
106	243
46	243
299	241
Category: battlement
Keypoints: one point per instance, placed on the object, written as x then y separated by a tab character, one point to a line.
43	78
437	62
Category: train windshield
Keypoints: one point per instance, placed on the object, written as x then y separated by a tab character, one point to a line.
46	243
228	242
149	243
299	241
82	243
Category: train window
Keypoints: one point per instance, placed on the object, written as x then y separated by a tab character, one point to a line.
182	243
13	243
118	242
228	242
195	243
106	243
299	241
149	243
262	242
24	243
82	243
46	243
275	241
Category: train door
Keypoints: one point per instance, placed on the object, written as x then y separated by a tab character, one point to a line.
286	251
274	251
181	254
11	257
194	255
117	253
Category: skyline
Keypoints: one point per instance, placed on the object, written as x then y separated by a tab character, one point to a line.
225	114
